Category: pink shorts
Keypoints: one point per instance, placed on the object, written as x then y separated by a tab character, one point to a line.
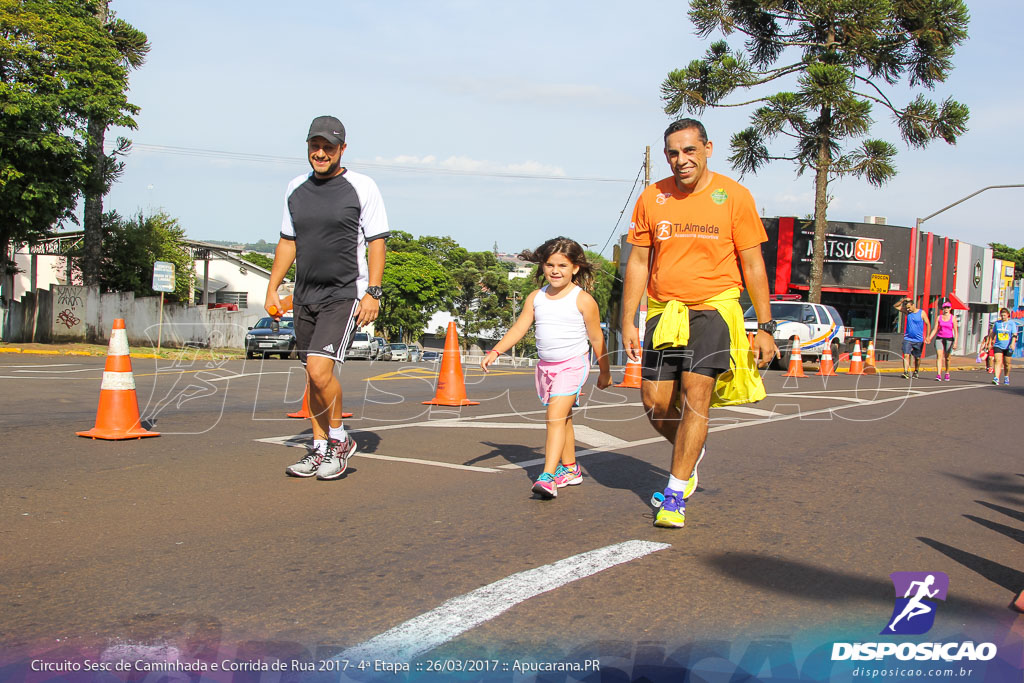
561	378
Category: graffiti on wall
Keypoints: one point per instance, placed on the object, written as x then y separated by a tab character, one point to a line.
68	310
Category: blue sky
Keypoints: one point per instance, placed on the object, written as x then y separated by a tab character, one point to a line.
444	100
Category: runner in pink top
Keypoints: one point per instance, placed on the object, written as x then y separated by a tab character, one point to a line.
944	333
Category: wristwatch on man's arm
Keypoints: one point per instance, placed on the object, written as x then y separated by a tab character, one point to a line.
768	327
375	291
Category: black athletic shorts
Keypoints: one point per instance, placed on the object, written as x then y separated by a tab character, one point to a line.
708	352
325	329
1006	352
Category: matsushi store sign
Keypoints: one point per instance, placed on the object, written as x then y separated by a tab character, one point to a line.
846	249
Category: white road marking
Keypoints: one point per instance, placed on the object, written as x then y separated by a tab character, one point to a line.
295	442
587	435
748	410
248	374
428	631
39	365
772	418
602	442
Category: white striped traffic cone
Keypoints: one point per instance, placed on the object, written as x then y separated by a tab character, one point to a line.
117	416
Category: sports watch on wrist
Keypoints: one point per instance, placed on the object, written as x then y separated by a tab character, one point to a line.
768	327
375	292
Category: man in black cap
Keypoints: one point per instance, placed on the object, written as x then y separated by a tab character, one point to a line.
333	228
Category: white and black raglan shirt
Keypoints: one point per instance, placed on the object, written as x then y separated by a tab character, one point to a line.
331	221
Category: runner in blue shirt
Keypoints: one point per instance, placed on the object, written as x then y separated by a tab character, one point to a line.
1004	335
914	334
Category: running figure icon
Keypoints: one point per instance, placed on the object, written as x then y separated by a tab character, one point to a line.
916	601
916	607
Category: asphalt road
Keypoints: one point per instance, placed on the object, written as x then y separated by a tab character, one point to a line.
198	542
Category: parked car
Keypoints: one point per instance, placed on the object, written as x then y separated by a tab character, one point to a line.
377	345
385	352
399	351
268	337
361	347
816	326
414	354
430	356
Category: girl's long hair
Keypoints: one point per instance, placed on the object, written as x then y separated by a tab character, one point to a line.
584	277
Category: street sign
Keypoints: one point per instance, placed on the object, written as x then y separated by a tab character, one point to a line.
163	276
880	283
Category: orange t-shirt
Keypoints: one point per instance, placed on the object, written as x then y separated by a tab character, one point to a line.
695	238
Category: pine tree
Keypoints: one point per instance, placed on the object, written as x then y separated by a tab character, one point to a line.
847	57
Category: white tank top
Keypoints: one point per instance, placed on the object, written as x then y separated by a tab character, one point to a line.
560	330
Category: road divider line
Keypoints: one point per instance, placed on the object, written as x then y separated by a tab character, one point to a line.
771	419
428	631
295	442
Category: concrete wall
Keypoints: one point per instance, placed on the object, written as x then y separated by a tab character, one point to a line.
75	313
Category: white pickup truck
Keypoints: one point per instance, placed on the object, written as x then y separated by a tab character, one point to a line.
815	325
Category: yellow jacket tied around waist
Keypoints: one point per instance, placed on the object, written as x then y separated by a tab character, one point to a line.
741	383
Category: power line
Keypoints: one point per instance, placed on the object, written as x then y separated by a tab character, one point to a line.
271	159
624	206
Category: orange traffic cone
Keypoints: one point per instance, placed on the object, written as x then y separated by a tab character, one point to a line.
1018	603
856	364
117	416
304	412
451	387
869	364
827	368
631	380
796	363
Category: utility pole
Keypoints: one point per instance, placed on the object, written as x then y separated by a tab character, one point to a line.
647	166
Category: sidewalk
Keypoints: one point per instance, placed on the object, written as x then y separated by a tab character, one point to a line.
956	364
81	349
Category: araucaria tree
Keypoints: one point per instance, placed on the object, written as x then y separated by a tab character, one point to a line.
845	58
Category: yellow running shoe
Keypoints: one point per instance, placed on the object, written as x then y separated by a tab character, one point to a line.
672	514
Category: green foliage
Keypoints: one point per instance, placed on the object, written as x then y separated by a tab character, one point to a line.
58	68
482	297
1005	253
131	246
266	262
444	250
844	54
415	287
429	274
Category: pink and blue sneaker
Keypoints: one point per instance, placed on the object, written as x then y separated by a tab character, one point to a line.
568	476
545	486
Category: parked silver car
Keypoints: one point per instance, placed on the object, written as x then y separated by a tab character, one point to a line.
399	351
361	347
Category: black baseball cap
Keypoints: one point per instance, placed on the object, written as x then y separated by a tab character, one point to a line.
329	128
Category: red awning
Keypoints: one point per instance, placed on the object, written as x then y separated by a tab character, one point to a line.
957	304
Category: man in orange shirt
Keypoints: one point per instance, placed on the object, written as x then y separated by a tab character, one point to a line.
692	234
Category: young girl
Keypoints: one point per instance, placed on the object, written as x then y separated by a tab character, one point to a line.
566	318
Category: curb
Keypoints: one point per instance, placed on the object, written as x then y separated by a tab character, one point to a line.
46	352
